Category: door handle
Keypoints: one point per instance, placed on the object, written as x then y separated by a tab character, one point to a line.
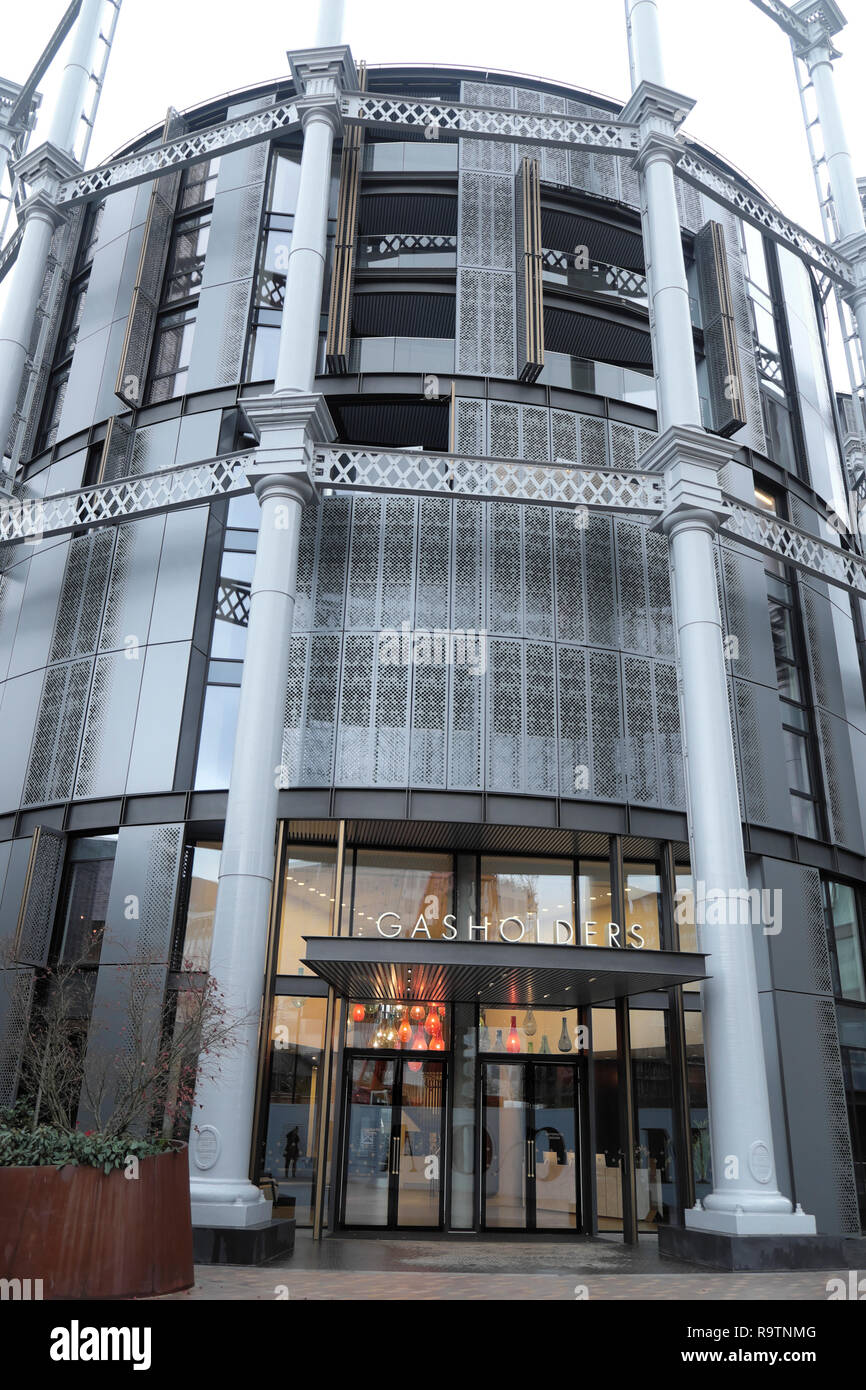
395	1156
530	1158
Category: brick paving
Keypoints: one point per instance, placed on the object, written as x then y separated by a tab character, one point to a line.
474	1269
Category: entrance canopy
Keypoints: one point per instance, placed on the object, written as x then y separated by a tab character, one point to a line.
487	973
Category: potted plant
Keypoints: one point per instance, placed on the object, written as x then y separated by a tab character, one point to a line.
94	1181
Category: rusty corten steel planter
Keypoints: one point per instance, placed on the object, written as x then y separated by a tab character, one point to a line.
87	1234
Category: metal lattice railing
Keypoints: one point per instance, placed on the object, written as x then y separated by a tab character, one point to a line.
233	602
561	484
30	518
703	175
488	122
785	541
187	149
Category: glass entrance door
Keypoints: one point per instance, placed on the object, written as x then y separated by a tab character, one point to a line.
530	1146
393	1149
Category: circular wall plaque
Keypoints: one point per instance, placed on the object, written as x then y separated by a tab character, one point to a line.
207	1147
759	1161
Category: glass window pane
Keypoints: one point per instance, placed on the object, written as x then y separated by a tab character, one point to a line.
412	894
86	899
608	1149
294	1096
594	904
780	626
286	179
415	1027
198	928
308	904
216	744
805	819
524	1032
655	1151
846	936
797	760
643	905
533	894
699	1113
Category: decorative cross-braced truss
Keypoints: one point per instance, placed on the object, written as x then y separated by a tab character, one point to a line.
705	176
784	541
407	241
233	602
562	484
187	149
377	112
335	468
629	283
30	518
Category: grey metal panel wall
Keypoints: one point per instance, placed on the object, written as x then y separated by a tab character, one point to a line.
486	283
15	985
124	594
227	280
537	595
837	739
134	959
90	395
756	713
801	1042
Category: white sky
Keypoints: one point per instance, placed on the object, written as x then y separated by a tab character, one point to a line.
724	53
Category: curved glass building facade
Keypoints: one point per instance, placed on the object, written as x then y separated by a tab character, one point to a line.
481	775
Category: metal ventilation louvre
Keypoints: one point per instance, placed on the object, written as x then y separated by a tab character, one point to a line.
385	214
403	315
393	424
720	330
600	340
563	231
530	302
340	304
132	371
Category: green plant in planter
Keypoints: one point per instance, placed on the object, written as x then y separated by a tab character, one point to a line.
101	1092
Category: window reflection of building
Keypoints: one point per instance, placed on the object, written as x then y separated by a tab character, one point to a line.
288	1160
414	886
655	1154
594	902
538	892
697	1097
643	904
308	904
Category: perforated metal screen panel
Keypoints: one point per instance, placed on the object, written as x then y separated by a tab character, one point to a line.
483	646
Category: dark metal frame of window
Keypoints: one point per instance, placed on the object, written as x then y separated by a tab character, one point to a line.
76	293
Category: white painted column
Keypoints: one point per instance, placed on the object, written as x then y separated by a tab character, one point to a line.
305	274
288	422
72	99
19	308
745	1197
840	166
222	1194
329	27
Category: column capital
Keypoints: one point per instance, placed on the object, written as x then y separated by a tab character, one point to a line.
656	108
289	425
690	460
822	20
325	70
854	250
44	169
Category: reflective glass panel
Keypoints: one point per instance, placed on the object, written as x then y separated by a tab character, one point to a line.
288	1168
308	904
408	895
523	899
643	892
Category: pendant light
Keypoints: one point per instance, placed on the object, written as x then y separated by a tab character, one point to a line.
417	1012
359	1013
564	1043
513	1043
404	1032
530	1027
432	1024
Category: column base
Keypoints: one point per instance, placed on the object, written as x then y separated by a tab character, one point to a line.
250	1245
229	1206
728	1251
751	1223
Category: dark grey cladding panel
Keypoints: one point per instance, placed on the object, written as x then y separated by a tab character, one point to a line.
19	708
16	985
133	963
615	245
764	795
838	761
407	315
819	1138
601	340
746	616
385	214
28	606
798	954
394	424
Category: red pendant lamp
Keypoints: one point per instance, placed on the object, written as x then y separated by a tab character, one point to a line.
359	1013
432	1024
417	1012
404	1032
513	1041
437	1044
